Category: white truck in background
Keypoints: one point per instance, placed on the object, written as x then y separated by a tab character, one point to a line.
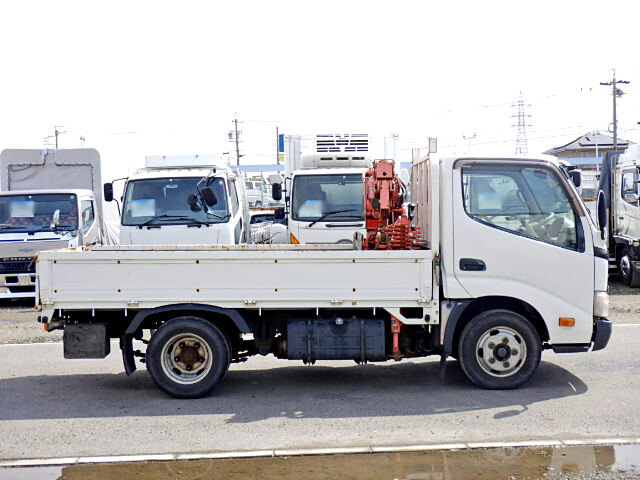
509	264
324	187
183	200
49	199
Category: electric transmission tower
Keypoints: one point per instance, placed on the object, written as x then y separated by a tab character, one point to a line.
521	138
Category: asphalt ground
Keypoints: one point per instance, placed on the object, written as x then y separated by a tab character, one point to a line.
51	407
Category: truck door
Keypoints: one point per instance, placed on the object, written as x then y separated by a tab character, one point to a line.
518	233
88	224
628	214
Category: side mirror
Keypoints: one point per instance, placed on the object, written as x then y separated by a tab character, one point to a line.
209	196
602	213
276	191
107	189
631	197
278	213
576	177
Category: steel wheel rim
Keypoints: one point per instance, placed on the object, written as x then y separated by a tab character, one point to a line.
186	358
501	351
625	266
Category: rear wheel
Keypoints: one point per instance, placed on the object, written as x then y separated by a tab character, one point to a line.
627	270
499	349
187	357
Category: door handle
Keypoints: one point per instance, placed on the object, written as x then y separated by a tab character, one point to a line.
472	265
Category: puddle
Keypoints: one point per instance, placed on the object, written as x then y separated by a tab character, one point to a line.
592	462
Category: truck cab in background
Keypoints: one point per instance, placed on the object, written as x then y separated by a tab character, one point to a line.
50	199
324	186
619	181
162	203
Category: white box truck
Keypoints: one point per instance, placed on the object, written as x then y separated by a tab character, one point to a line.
324	187
162	203
49	199
513	265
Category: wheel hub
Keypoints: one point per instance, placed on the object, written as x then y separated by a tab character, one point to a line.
501	351
187	358
625	266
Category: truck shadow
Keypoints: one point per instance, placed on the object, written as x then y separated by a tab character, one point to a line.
286	392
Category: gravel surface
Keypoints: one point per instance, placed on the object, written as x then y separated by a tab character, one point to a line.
18	319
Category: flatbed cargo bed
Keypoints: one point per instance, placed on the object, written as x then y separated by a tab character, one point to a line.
241	276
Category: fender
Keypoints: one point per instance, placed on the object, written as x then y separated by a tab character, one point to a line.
126	341
452	322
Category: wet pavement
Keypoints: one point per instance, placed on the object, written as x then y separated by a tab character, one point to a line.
578	462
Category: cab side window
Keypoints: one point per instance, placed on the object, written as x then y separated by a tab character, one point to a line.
630	187
234	197
531	202
88	216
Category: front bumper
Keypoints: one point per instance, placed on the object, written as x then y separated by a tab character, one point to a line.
602	329
18	285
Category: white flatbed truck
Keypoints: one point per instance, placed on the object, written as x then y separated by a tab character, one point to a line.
513	265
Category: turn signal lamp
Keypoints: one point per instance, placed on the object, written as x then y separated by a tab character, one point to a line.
293	239
567	322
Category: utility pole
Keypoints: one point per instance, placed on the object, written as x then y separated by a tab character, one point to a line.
469	138
56	133
616	92
235	135
521	138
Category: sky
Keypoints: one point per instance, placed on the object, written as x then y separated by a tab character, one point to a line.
136	78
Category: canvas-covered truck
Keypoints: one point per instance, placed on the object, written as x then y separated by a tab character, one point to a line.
499	261
49	199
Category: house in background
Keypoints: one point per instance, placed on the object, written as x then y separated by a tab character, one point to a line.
587	151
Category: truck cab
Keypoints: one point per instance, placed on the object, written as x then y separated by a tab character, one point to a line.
620	178
324	179
50	199
159	206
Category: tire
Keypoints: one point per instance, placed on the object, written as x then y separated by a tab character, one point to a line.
627	271
491	363
187	357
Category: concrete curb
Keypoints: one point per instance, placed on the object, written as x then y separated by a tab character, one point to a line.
47	462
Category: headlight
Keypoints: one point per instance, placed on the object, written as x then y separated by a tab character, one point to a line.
601	304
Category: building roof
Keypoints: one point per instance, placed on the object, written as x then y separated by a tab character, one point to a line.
589	142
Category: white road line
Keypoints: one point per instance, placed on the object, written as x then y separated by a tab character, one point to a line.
43	462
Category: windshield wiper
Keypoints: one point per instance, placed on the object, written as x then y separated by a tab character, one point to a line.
326	214
192	221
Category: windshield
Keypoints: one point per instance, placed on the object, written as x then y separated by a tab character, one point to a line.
34	213
164	201
334	197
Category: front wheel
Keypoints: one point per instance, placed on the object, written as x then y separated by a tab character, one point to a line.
627	270
499	350
187	357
